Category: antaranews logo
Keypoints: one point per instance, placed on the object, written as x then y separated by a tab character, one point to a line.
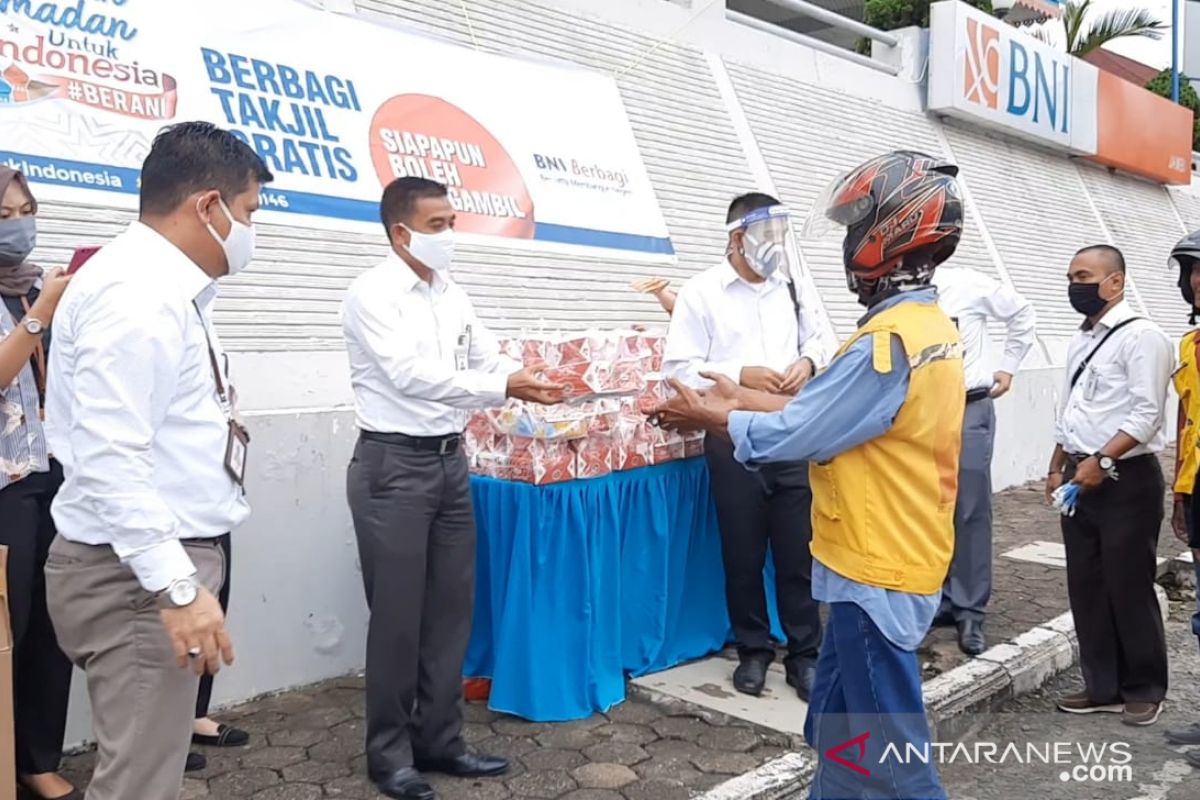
1079	762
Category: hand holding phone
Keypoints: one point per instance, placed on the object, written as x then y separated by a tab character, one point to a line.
80	257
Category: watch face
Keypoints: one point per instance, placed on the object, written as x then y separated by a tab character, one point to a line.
33	326
183	593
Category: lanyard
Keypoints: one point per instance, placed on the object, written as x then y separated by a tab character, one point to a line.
226	406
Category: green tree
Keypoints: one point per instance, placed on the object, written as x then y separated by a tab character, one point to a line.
1160	84
887	15
1082	36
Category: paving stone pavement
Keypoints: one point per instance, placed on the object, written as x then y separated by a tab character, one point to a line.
308	744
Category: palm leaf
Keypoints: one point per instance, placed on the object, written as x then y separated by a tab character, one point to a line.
1073	18
1119	24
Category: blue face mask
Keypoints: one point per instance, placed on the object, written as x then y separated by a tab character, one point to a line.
17	239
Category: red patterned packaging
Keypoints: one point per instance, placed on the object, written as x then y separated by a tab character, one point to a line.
655	392
656	345
553	462
668	447
593	456
533	351
561	352
693	444
626	377
632	447
572	377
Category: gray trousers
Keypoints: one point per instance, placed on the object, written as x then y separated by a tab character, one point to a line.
415	526
968	586
142	701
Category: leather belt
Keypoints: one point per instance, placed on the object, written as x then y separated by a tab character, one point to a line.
975	395
442	445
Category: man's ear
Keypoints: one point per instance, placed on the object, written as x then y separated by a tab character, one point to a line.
400	235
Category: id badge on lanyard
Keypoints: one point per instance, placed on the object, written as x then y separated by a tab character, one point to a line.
462	350
238	438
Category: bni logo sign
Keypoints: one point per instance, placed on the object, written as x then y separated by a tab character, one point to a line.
1030	82
981	67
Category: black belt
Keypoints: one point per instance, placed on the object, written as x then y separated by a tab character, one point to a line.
442	445
974	395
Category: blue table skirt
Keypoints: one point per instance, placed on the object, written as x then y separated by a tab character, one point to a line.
580	583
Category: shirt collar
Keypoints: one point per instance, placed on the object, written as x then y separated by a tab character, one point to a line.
408	279
1113	317
729	277
193	282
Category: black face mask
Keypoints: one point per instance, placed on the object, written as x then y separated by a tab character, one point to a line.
1085	298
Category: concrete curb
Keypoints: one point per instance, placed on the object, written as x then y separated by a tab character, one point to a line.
1005	671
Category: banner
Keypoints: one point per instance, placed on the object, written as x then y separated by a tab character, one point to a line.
533	154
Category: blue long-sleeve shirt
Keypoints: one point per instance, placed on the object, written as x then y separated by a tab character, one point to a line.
846	405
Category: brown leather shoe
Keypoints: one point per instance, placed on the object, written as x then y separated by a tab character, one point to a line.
1141	715
1081	703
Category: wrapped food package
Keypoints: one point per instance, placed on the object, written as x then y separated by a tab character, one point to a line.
543	462
593	456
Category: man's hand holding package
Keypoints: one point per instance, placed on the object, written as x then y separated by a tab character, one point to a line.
762	379
524	384
706	410
796	376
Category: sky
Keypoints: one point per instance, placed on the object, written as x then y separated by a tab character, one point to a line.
1156	54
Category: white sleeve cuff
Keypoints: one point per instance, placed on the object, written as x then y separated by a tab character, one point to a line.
495	386
1010	365
161	565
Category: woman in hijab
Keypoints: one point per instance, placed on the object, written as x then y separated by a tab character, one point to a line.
29	478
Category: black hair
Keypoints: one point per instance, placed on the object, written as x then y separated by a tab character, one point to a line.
401	196
197	156
745	203
1115	257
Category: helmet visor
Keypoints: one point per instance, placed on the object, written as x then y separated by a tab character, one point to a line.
765	239
845	201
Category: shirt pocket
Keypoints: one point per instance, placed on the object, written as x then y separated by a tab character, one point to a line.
1106	379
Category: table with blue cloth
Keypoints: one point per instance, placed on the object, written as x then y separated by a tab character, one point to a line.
579	584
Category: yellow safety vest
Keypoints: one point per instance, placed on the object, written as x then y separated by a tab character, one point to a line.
883	512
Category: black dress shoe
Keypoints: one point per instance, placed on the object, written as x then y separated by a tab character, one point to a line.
751	675
468	765
944	619
801	676
195	762
404	784
227	736
1188	735
970	637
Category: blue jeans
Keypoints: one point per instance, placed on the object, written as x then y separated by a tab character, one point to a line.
866	719
1189	522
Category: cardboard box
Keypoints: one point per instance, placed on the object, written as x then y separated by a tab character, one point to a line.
8	756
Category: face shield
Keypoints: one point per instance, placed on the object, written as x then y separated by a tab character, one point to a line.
843	203
765	240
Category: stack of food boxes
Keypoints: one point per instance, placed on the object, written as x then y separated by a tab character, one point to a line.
613	382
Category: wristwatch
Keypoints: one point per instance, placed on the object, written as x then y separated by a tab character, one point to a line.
180	594
1106	462
33	325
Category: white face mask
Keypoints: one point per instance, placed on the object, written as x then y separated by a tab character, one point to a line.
434	250
238	245
765	258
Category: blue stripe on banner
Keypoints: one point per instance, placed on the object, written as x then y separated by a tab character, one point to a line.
565	234
81	175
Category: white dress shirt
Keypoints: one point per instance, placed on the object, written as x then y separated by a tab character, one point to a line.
971	299
132	410
401	334
723	323
1123	388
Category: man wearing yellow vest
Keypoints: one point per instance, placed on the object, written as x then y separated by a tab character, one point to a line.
881	426
1185	257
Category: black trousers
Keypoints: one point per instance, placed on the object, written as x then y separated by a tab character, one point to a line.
1111	545
415	526
204	696
42	673
770	505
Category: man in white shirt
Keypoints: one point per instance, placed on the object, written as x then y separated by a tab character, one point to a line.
745	320
141	414
972	299
419	360
1109	433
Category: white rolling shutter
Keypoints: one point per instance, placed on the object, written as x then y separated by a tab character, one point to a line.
808	135
1034	207
1187	203
1145	227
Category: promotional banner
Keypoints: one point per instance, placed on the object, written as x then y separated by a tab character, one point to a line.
533	154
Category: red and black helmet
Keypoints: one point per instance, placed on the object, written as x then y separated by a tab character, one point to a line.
900	208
